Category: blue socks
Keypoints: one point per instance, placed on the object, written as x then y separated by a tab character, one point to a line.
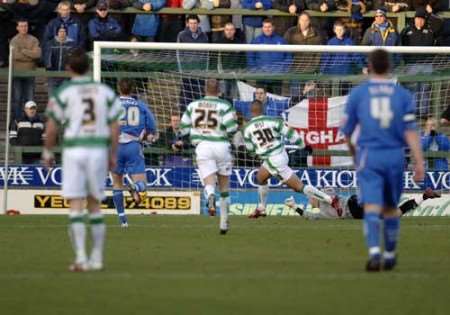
118	203
372	233
140	186
391	229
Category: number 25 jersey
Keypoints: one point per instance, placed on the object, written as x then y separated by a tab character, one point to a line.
85	109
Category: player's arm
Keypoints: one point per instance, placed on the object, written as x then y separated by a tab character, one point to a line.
54	113
249	145
151	127
186	123
349	122
291	135
230	121
115	112
412	138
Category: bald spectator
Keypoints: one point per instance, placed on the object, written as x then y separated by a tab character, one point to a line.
26	54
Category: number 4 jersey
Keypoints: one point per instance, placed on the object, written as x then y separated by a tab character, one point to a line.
266	135
209	119
85	109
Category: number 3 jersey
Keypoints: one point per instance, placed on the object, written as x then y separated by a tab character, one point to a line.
265	136
209	119
85	109
383	110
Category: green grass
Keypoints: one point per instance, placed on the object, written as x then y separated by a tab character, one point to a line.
181	265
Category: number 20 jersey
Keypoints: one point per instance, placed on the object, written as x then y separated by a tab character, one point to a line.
85	109
209	119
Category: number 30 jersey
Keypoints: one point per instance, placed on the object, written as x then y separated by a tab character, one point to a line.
266	135
85	109
209	119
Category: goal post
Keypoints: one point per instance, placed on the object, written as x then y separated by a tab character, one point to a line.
311	99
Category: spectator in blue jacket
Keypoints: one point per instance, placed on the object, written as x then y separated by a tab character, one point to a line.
145	26
269	61
253	24
103	26
382	32
75	29
55	55
339	63
432	140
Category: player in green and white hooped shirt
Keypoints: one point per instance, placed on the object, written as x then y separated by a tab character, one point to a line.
264	136
88	113
211	122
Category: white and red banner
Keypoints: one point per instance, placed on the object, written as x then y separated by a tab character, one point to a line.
318	120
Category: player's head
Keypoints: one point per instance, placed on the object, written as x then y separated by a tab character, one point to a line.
379	62
125	86
256	108
212	87
78	62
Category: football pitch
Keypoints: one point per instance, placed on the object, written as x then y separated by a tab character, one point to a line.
181	265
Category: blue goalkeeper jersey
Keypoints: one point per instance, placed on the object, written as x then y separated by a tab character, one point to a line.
136	120
383	110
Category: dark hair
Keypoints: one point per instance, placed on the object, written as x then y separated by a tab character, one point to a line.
21	20
380	61
305	13
212	87
78	61
125	86
338	23
268	20
192	17
259	104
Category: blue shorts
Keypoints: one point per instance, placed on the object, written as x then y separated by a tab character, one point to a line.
380	176
130	159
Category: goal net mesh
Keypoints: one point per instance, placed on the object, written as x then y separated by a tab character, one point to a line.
307	89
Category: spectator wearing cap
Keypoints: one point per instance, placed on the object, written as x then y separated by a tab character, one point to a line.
145	27
419	34
382	32
253	24
29	128
26	54
55	55
74	27
104	27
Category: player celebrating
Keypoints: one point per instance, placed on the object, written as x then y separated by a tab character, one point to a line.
264	136
136	123
211	122
351	208
385	113
89	112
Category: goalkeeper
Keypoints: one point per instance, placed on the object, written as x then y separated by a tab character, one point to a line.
264	136
351	207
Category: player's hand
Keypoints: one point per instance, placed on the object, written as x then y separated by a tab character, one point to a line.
48	158
419	172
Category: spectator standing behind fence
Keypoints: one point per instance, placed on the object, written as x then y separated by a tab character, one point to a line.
145	27
253	24
28	129
433	141
80	8
103	26
382	32
205	26
269	61
75	29
293	7
55	55
26	55
170	24
218	21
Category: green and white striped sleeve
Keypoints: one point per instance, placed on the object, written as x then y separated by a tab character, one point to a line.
230	121
249	145
292	135
186	122
115	109
55	110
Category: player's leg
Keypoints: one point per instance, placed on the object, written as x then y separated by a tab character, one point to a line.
74	190
118	197
98	231
207	168
136	169
224	184
262	177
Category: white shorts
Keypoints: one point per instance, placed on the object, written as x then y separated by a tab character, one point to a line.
84	172
277	165
213	157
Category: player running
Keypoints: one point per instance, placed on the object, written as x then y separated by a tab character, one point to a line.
136	124
211	123
351	208
89	113
264	136
384	111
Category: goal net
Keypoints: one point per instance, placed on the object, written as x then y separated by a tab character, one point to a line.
306	85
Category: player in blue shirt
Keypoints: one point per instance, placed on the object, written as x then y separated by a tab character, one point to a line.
384	112
137	124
